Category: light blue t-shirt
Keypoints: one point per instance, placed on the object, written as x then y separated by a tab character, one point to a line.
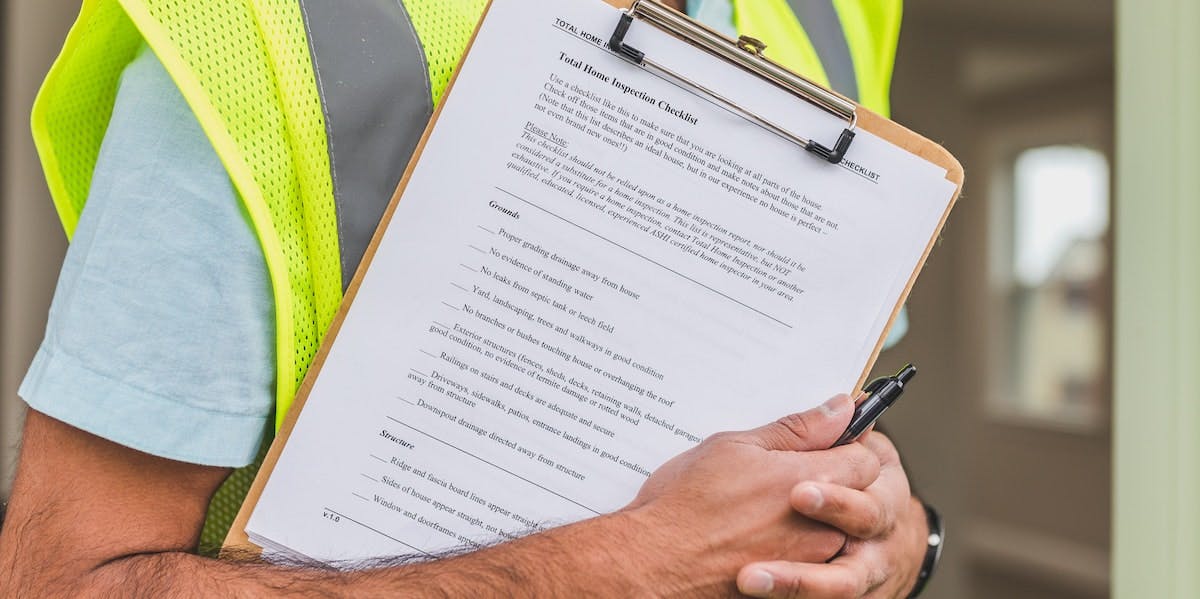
160	336
161	333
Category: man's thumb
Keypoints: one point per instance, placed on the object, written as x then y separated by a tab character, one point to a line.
815	429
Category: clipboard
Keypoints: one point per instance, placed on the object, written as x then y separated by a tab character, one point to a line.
748	54
745	52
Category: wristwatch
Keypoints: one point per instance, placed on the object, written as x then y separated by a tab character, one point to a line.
933	551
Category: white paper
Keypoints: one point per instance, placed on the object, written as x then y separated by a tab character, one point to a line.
586	276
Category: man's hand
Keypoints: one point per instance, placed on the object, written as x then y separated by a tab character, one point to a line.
888	536
725	502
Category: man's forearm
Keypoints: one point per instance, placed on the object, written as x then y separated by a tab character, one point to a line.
598	557
92	518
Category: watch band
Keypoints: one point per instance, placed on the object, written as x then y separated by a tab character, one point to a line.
933	551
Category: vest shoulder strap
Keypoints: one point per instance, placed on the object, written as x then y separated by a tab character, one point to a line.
244	68
246	72
872	32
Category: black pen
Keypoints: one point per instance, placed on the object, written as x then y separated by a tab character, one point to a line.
881	394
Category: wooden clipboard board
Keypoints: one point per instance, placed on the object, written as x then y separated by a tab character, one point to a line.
237	544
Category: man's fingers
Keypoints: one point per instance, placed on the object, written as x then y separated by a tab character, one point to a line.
817	428
882	446
852	466
892	485
843	578
854	512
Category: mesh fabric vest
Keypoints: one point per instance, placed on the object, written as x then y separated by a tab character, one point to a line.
246	70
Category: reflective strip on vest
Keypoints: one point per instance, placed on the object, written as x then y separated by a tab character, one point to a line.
820	21
375	91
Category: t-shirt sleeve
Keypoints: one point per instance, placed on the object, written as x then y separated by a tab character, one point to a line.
161	333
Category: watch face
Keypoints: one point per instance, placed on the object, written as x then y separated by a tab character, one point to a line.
937	536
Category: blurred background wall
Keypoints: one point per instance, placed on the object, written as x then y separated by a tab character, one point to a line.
32	243
1008	427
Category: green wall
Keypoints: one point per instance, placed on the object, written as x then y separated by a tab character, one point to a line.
1157	406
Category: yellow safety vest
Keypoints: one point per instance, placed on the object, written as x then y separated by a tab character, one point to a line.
268	82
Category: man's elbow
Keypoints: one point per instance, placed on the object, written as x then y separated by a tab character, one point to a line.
78	576
41	563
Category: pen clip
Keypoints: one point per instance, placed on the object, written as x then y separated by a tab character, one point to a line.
874	386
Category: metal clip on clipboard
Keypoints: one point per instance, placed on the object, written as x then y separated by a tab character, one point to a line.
745	52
